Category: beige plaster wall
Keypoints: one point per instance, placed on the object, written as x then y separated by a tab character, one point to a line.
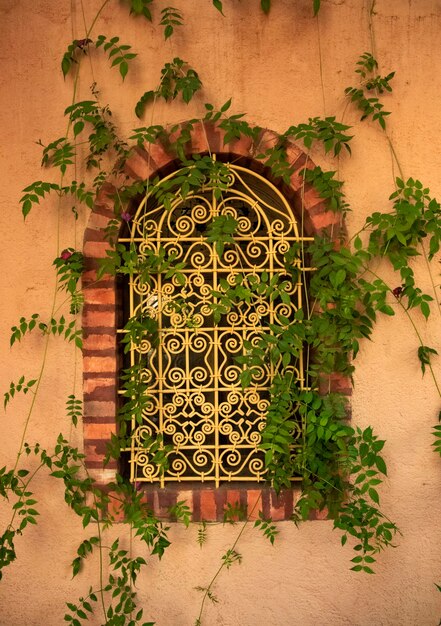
271	67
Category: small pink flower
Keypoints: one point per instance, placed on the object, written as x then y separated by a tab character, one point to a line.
66	254
126	216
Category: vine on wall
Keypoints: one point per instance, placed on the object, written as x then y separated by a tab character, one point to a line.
341	466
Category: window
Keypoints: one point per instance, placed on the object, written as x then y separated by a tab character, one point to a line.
101	364
191	365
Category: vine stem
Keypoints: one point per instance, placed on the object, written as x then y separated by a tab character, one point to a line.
94	21
414	326
400	169
25	486
44	358
213	580
100	551
420	339
317	21
426	259
34	396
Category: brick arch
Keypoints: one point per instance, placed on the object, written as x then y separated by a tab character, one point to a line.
100	313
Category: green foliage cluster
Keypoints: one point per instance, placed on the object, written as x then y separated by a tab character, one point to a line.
176	78
370	106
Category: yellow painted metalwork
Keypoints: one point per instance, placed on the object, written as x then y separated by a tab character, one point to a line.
195	398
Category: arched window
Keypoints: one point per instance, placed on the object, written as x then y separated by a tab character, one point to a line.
265	213
211	281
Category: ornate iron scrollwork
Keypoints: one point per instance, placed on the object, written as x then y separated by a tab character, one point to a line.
195	399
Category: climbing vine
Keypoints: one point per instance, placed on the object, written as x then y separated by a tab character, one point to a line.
340	464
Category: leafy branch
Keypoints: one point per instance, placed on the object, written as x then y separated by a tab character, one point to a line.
177	78
118	53
170	18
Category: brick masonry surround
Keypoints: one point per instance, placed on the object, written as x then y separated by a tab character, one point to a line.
100	355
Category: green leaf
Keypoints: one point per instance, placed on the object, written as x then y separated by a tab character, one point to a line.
168	31
218	5
374	495
266	5
339	277
316	6
78	127
123	69
381	465
425	309
65	65
226	106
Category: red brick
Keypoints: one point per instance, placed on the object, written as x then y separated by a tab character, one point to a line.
199	139
324	219
96	249
88	277
254	503
98	319
137	165
296	178
104	196
98	431
241	146
321	515
277	510
99	364
233	497
312	198
105	341
100	296
186	497
268	139
95	408
294	153
94	385
208	505
140	165
93	458
97	222
158	154
114	507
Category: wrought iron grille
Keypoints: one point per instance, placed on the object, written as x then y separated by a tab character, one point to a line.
195	398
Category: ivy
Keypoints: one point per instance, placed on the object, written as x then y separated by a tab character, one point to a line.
141	7
327	131
71	54
74	408
424	356
33	193
70	266
370	106
20	386
328	187
118	53
220	232
25	326
177	78
268	529
170	18
437	443
102	138
59	153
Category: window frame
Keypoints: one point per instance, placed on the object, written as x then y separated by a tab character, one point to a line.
101	316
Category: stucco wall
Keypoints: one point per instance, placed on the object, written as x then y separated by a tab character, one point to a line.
271	67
